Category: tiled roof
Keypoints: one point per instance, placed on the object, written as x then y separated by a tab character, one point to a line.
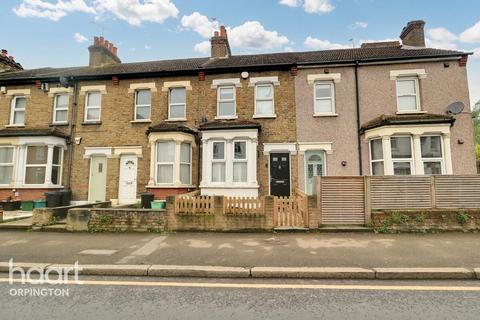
405	119
171	127
40	132
236	61
230	124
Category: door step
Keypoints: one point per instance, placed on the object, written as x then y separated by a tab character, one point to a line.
346	228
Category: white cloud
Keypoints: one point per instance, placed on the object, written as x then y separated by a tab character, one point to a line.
290	3
310	6
51	10
147	47
252	36
476	53
135	12
441	38
472	34
80	38
359	25
202	47
200	24
318	44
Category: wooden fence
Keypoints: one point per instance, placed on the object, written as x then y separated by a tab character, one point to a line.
291	211
243	205
194	205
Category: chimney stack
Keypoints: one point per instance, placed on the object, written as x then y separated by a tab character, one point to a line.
8	63
102	53
413	35
220	48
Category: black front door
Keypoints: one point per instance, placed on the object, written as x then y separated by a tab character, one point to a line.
280	174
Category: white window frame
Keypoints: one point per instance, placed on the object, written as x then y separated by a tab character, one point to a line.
308	153
220	87
185	163
157	163
416	95
403	160
46	165
224	161
14	110
7	164
60	166
332	98
441	160
239	160
143	106
56	108
170	104
87	107
372	161
272	99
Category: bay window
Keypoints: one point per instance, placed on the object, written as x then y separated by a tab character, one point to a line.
324	95
177	104
165	162
60	108
143	104
17	113
408	98
93	106
376	157
6	165
432	155
226	102
218	162
239	161
401	155
264	105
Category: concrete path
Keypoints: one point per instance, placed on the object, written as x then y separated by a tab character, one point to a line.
246	250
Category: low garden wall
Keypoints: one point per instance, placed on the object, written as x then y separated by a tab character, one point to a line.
47	216
426	220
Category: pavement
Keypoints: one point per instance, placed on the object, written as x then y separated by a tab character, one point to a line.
263	255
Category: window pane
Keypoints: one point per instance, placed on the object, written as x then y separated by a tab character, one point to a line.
401	147
61	116
401	168
19	117
431	147
323	106
407	103
240	150
142	113
55	174
323	91
432	167
226	93
218	150
166	151
264	91
94	99
185	152
6	155
218	172
35	175
143	97
377	168
62	101
57	155
37	155
376	149
93	114
6	174
185	173
177	111
240	172
178	95
264	107
405	87
20	103
226	109
165	173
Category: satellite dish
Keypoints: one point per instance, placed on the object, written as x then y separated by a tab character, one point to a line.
64	82
455	108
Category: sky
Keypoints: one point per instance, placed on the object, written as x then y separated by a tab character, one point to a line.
57	33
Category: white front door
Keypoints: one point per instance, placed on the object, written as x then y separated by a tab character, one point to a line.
127	185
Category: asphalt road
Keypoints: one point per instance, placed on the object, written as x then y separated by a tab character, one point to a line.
112	298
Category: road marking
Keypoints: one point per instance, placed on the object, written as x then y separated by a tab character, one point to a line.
98	252
265	285
145	250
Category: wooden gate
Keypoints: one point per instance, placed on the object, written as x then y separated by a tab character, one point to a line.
291	212
342	200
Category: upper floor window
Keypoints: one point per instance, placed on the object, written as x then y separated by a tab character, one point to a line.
324	98
401	155
218	161
177	104
240	161
6	165
93	106
408	98
60	108
165	162
376	157
17	114
226	102
264	105
143	102
432	155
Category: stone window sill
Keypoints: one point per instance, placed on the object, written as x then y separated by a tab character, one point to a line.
325	114
15	126
176	120
141	121
264	116
58	124
170	186
86	123
411	112
226	117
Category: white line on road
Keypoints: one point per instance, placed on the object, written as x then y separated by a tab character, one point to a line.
265	285
145	250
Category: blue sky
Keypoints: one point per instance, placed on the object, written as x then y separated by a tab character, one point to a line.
57	33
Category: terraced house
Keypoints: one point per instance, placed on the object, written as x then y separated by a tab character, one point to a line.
245	125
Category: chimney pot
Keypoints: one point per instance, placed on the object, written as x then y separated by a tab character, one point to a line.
11	58
216	34
101	40
114	50
96	41
106	44
223	32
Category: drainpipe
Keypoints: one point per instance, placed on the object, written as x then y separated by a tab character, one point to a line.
72	132
359	139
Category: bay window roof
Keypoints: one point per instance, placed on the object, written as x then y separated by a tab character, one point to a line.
407	119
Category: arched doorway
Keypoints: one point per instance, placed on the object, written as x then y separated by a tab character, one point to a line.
314	167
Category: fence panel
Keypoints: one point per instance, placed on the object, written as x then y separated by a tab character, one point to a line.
290	211
457	191
243	205
194	205
394	192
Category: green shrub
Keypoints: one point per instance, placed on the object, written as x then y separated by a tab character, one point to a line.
463	218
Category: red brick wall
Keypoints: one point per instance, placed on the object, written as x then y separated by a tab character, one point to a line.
24	194
162	193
